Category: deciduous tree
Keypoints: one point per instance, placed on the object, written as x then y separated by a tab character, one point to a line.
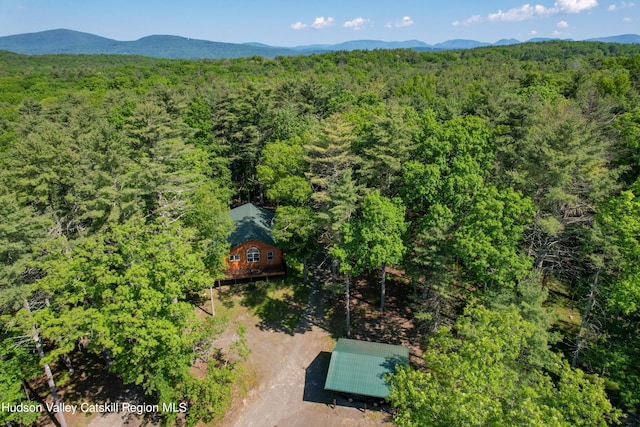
473	377
376	235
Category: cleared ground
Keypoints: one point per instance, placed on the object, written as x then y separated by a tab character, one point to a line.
289	368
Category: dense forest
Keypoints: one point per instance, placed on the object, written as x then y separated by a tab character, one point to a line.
494	178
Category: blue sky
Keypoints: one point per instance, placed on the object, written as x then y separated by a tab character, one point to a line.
291	23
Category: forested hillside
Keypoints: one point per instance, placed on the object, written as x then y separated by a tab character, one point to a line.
503	181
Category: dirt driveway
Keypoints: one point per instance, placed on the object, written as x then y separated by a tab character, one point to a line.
290	371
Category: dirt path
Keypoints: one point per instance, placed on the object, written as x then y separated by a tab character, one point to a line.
291	371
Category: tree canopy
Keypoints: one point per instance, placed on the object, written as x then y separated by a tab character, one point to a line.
502	182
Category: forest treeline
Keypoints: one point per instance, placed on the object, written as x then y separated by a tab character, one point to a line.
494	177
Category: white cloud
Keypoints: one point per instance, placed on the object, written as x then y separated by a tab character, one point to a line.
299	26
556	33
518	14
357	23
321	23
468	21
529	11
575	6
562	24
623	5
405	22
627	20
533	33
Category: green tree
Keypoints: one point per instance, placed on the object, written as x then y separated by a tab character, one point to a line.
384	142
242	121
335	191
207	212
199	117
376	235
474	378
606	340
165	169
17	364
49	168
619	222
488	242
446	177
529	296
21	229
126	292
296	229
281	170
558	157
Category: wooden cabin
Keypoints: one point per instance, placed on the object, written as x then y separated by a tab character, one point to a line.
254	253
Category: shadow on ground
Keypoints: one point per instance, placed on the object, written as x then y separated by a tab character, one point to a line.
315	377
396	325
91	382
284	304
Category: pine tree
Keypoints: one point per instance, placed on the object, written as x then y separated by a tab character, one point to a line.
335	192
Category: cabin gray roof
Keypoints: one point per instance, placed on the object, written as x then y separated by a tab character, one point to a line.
361	367
251	222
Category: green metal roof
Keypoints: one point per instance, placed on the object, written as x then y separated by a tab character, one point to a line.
251	222
360	367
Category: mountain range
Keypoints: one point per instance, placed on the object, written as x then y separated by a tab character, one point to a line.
165	46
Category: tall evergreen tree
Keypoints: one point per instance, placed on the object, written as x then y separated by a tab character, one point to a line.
335	192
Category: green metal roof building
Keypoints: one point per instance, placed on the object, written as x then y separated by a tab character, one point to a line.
360	367
252	223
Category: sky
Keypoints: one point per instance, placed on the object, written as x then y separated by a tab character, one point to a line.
300	22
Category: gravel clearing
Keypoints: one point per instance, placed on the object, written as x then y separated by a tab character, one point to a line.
291	371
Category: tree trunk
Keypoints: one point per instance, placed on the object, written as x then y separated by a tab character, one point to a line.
47	369
347	304
334	267
105	356
213	310
425	290
585	318
67	361
305	270
382	284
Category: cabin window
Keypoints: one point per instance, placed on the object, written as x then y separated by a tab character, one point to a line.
269	256
234	257
253	255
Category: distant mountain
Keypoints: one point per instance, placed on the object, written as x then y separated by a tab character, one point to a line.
506	42
164	46
56	41
377	44
181	47
158	46
256	44
362	45
625	38
540	40
459	44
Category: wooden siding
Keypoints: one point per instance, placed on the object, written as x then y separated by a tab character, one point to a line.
243	269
